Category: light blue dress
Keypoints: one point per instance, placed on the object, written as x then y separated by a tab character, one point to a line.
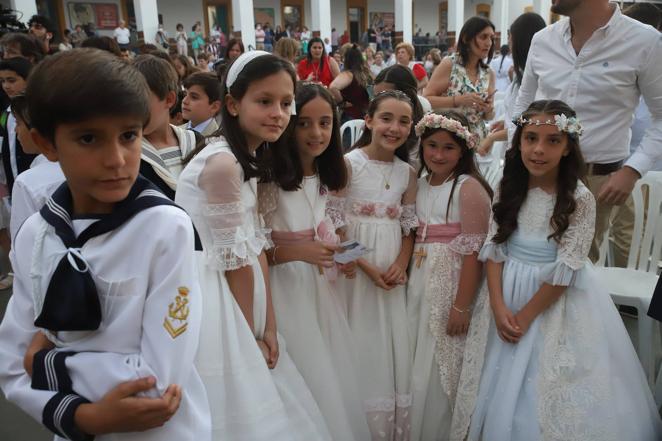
574	375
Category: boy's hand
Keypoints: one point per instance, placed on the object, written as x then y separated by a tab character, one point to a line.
121	411
39	342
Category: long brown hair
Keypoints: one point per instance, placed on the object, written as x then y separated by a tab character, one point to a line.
466	165
286	168
515	183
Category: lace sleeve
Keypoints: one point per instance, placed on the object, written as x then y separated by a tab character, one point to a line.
235	243
475	207
408	218
575	243
267	197
491	250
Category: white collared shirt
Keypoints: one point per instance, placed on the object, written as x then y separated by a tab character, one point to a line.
11	133
200	127
621	61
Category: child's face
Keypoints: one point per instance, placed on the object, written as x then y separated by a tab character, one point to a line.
313	128
196	106
441	153
203	64
12	83
264	110
25	138
542	147
179	67
391	124
159	112
234	52
100	158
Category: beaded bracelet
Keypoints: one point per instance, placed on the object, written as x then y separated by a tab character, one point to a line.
461	311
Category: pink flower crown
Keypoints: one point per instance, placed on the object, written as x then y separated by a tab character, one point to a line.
435	121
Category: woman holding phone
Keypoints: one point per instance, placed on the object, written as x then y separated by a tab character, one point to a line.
464	81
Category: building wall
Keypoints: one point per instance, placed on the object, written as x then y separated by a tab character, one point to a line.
177	11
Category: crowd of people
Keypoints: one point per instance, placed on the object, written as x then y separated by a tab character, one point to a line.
199	253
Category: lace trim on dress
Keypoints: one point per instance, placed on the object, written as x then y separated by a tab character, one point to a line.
408	219
571	383
459	358
389	417
335	210
467	244
235	242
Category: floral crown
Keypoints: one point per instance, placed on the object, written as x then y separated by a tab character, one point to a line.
569	125
435	121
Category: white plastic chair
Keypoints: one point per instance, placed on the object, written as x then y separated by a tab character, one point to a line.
633	286
355	126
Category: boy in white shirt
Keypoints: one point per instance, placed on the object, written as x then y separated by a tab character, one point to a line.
202	102
106	267
164	146
33	187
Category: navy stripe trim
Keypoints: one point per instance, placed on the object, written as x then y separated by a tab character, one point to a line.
58	416
49	371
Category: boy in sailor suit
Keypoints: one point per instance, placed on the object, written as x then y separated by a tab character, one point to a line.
99	338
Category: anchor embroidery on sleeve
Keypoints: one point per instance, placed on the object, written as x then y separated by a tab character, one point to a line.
175	322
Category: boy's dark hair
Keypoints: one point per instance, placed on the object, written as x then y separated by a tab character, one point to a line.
104	43
401	152
287	171
27	44
81	84
19	107
514	185
42	20
208	81
469	31
160	75
466	165
20	65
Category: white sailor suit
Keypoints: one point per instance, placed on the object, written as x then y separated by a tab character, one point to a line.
119	297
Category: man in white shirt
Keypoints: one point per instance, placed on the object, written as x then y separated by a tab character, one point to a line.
600	62
122	34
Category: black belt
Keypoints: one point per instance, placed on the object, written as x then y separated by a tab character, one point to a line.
603	169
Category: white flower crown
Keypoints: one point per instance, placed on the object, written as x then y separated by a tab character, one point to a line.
571	125
435	121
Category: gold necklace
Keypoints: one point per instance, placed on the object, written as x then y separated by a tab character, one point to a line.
387	181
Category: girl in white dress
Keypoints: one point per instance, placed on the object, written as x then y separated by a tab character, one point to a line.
381	215
306	167
238	342
559	363
446	296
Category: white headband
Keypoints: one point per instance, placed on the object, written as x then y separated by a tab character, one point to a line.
239	64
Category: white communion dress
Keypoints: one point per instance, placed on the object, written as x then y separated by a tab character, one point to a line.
446	368
574	375
248	401
377	216
309	310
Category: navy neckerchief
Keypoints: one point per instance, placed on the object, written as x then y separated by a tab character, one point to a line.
71	302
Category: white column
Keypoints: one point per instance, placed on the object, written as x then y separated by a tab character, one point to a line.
503	24
543	8
244	22
455	17
321	18
27	7
404	19
147	19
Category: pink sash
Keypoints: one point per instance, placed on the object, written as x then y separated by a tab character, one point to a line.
325	234
438	233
